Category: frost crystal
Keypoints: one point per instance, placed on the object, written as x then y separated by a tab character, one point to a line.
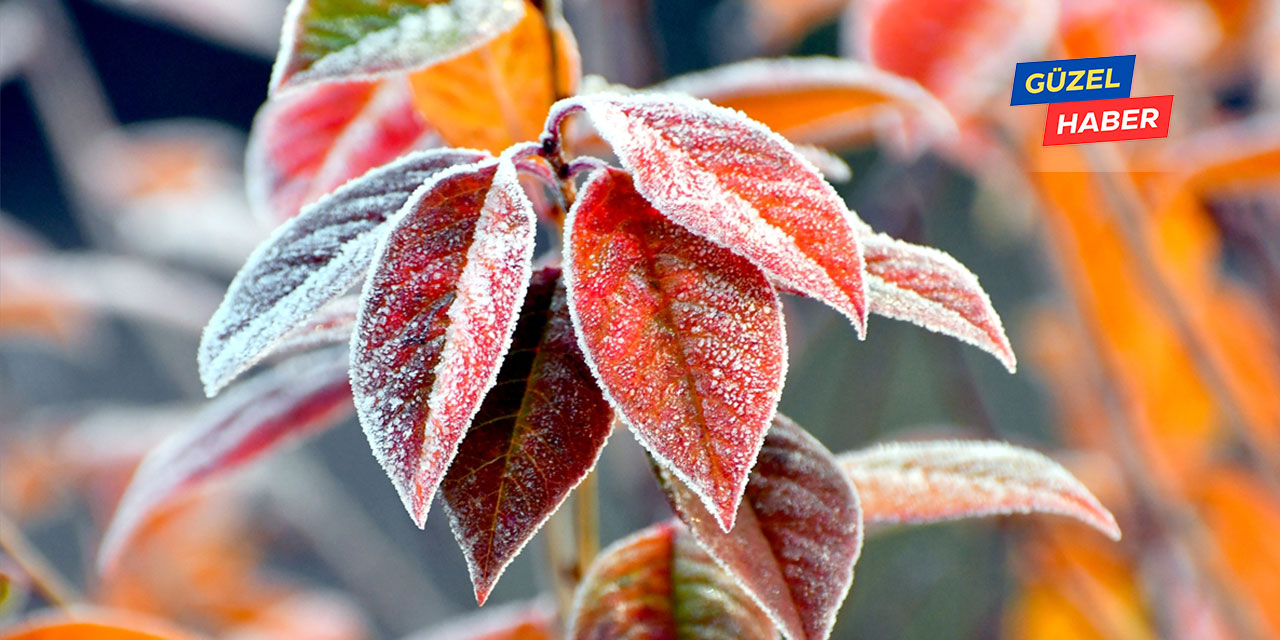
798	534
436	320
685	337
735	182
913	482
928	287
327	40
308	261
536	436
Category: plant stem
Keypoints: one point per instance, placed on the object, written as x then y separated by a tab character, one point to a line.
46	579
586	509
1126	204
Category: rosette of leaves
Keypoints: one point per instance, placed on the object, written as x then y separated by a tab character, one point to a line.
494	384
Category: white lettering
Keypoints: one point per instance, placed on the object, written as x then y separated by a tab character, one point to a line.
1149	115
1130	119
1110	120
1062	122
1090	122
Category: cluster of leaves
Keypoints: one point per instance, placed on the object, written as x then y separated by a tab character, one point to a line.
494	382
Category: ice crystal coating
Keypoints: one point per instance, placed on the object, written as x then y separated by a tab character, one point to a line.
329	325
437	317
310	142
928	287
283	405
685	337
735	182
307	262
327	40
536	436
659	583
798	535
819	100
917	482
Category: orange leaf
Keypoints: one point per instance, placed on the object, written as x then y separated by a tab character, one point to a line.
498	94
94	625
824	101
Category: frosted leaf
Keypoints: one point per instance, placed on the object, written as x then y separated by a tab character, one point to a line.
262	415
918	482
537	435
798	534
825	101
436	319
685	337
329	325
928	287
306	144
832	166
327	40
735	182
307	262
658	583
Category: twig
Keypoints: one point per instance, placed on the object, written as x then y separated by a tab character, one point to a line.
586	509
1126	204
46	579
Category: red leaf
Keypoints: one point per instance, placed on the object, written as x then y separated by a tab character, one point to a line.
437	317
277	408
798	535
328	40
917	482
685	337
308	143
537	435
732	180
928	287
307	262
961	50
659	583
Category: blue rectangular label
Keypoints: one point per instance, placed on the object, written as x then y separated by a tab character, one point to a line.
1072	80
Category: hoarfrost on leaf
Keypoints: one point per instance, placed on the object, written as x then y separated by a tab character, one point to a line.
928	287
685	337
735	182
537	435
436	319
798	533
307	262
327	40
658	583
917	482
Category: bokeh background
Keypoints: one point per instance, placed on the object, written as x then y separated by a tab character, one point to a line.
122	127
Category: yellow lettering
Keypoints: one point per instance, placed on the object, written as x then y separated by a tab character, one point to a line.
1110	84
1032	86
1095	79
1075	80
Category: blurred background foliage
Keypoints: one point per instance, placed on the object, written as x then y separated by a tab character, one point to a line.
315	542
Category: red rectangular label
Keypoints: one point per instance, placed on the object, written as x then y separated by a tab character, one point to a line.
1108	120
